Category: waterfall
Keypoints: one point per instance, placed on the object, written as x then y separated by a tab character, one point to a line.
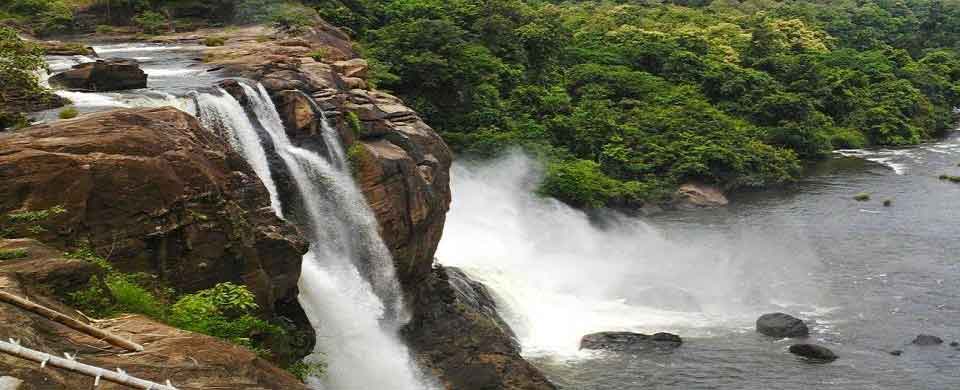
348	287
222	111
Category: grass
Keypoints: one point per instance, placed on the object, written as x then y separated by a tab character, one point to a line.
68	113
318	55
304	369
861	197
13	254
214	41
950	178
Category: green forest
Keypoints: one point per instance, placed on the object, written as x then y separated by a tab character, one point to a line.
628	99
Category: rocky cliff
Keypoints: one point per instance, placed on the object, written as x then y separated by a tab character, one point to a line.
151	191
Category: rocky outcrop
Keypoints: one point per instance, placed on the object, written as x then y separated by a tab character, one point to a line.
58	48
188	360
782	325
110	74
699	195
152	191
463	340
813	352
401	164
630	342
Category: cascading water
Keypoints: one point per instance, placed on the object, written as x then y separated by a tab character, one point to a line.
347	285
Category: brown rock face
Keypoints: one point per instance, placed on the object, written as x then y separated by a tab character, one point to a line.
188	360
102	75
153	191
463	339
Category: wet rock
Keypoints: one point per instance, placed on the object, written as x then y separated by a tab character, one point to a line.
628	341
955	344
926	339
699	195
57	48
160	194
112	74
782	325
814	352
459	335
896	352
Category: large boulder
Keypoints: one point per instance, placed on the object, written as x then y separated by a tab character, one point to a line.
112	74
458	334
813	352
153	191
699	195
926	339
630	342
189	360
782	325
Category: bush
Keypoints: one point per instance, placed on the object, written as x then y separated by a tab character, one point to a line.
68	113
582	184
861	197
13	254
225	311
318	55
150	22
214	41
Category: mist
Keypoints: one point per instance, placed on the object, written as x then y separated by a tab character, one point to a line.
559	273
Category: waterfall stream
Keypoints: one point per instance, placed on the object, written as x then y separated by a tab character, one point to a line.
347	285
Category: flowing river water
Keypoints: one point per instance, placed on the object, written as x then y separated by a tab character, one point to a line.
867	278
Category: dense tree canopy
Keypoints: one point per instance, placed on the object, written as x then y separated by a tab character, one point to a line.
630	98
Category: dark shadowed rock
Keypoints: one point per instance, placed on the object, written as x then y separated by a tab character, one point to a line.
458	334
782	325
955	344
111	74
628	341
814	352
926	339
896	352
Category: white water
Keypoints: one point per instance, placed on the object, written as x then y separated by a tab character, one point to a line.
222	111
347	283
558	276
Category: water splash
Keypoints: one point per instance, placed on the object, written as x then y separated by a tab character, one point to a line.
561	274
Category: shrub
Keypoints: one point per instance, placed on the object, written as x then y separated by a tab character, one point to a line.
582	184
861	197
292	19
353	121
68	113
225	311
318	55
150	22
12	254
214	41
35	216
305	369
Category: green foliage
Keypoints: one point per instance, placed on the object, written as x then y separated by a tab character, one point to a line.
214	41
291	18
304	369
950	178
35	216
13	254
68	113
227	310
151	22
630	99
19	81
353	121
318	55
862	197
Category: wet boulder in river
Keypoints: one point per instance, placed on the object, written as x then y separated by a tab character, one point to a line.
926	339
782	325
814	352
112	74
630	342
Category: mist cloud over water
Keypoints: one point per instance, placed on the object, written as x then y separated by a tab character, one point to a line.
560	274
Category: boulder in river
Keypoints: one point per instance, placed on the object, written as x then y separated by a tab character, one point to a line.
631	342
814	352
699	195
112	74
926	339
782	325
